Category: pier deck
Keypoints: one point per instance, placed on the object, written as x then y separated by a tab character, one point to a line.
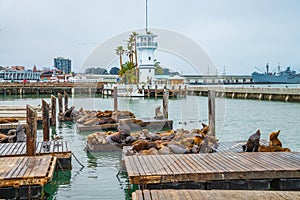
59	149
212	194
226	166
19	113
26	170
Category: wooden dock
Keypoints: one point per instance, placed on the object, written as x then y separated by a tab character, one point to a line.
213	195
59	149
215	170
18	113
19	174
258	93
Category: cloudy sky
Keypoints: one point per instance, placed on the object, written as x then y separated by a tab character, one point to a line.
238	34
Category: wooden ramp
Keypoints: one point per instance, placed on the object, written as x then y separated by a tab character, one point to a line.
24	170
59	149
213	195
159	169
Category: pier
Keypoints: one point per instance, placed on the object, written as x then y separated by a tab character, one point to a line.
228	170
270	94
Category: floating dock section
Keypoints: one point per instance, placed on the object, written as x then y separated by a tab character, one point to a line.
212	194
59	149
258	93
254	170
25	176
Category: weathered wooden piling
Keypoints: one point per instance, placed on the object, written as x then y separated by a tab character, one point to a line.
46	120
165	104
60	104
211	111
66	101
53	110
115	98
31	127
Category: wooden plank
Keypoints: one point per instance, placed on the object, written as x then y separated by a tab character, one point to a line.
31	130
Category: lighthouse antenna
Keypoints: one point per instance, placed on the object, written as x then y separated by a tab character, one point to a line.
146	16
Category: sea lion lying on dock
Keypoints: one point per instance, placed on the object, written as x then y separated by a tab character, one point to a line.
17	135
263	148
8	120
253	142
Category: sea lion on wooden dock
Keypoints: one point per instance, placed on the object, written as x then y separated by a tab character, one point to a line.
8	120
273	139
158	113
263	148
253	142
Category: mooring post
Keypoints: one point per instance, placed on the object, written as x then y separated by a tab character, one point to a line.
46	120
165	104
60	105
53	110
66	101
211	111
115	98
31	127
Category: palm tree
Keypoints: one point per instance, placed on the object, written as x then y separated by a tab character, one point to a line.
133	36
120	51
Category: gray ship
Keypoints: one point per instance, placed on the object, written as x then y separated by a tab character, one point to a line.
287	76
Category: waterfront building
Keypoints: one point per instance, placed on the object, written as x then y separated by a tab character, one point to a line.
63	64
18	76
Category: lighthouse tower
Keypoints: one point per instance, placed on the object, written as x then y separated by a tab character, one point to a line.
146	46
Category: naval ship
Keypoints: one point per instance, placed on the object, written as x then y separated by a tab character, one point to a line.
287	76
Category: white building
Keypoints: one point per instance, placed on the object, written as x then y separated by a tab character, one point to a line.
146	48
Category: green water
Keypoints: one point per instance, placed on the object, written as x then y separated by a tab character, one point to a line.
100	177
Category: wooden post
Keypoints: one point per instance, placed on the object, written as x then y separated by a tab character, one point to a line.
53	110
46	120
31	127
211	111
60	105
66	101
165	104
115	98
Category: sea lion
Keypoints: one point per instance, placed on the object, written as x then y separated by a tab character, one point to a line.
273	139
21	136
158	113
205	129
263	148
253	142
7	120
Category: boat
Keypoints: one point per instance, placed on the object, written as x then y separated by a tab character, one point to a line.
287	76
131	93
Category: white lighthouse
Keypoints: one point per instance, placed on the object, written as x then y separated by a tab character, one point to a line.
146	47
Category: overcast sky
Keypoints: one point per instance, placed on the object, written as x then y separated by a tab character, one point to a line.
238	34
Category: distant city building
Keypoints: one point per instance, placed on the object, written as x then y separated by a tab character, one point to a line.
63	64
17	76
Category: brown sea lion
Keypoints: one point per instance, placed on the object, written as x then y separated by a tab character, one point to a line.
205	129
263	148
273	139
253	142
7	120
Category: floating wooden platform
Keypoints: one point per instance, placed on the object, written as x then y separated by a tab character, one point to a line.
24	176
207	168
26	170
149	124
213	195
12	125
19	112
59	149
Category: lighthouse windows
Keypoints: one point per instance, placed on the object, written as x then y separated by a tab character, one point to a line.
149	58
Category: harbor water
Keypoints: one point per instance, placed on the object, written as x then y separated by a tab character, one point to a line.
236	119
